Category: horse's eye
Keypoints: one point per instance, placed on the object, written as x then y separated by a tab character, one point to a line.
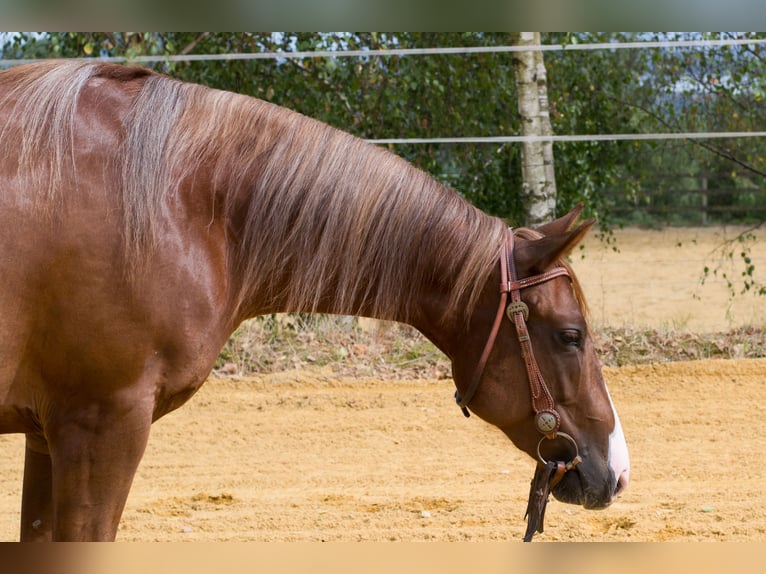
571	337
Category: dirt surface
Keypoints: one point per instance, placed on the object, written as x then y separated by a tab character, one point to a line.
655	279
305	456
302	456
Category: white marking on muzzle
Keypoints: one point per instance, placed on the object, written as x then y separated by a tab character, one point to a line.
618	458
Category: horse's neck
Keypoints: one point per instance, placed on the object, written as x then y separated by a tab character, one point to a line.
425	310
367	271
359	233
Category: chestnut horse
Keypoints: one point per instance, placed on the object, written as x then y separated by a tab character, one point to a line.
142	219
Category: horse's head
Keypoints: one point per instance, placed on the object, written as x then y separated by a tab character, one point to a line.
547	316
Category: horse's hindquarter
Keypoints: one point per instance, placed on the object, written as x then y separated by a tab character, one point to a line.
74	327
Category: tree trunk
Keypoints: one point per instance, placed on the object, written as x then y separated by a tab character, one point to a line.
539	187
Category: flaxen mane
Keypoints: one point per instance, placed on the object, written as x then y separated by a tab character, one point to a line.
44	99
343	218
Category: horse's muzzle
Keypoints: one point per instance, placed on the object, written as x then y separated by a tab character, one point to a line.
577	487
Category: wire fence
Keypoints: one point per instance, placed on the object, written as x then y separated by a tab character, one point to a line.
403	52
464	50
696	204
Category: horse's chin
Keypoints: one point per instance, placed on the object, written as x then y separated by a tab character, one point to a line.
572	490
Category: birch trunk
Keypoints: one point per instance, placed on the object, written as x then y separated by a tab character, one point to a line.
539	187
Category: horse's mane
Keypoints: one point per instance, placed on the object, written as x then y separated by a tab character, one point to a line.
338	216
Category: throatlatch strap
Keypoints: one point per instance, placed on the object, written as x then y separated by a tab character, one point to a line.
479	370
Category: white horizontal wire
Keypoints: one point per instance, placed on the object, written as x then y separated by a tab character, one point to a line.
569	138
416	51
458	50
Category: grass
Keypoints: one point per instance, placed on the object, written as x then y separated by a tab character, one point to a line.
633	346
348	346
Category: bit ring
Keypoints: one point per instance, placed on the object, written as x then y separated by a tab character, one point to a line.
570	465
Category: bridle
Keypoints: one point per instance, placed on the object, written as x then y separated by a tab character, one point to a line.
547	419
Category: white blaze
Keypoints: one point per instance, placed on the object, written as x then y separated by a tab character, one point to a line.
618	452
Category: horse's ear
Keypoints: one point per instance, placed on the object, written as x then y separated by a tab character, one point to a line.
537	255
563	223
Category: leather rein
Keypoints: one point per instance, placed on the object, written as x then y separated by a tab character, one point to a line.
547	419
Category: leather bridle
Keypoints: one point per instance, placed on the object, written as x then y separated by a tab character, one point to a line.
547	419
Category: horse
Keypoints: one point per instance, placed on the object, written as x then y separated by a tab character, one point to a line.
142	219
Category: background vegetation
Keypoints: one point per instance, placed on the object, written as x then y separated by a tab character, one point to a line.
352	348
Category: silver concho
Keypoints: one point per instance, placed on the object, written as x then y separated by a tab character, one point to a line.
547	421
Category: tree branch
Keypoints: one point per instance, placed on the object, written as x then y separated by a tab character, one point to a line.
193	43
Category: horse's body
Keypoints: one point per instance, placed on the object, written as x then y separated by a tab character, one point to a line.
142	219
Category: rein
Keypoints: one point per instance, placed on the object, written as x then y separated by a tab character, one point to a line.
547	419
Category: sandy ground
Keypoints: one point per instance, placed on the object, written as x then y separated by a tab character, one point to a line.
303	456
654	280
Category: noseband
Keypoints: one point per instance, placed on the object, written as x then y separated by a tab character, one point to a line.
547	419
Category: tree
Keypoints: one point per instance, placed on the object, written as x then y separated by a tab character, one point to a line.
538	189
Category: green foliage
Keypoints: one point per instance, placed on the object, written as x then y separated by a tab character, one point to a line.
735	266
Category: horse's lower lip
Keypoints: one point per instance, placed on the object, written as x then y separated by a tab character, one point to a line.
569	496
578	494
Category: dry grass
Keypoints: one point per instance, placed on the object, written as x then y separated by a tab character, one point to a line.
633	346
357	347
344	345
